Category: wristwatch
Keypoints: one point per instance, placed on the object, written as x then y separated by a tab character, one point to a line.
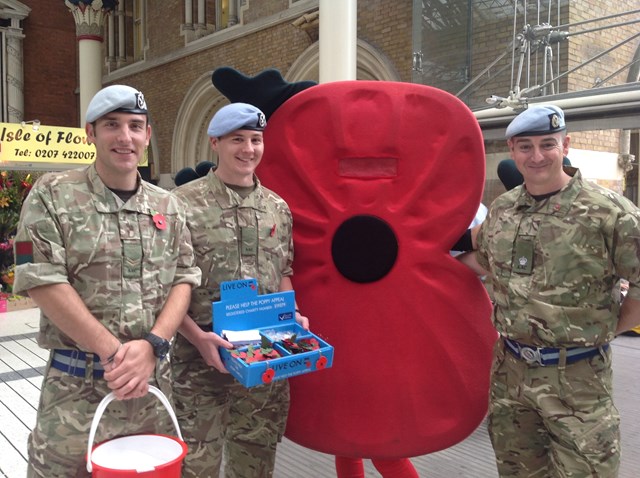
160	346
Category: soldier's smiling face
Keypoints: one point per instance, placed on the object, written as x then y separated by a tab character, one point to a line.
120	140
539	160
239	154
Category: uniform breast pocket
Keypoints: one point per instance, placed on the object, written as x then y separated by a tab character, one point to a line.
273	251
501	259
579	274
216	251
93	250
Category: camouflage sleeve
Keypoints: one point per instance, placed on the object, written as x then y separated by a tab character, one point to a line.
481	245
187	272
626	250
39	248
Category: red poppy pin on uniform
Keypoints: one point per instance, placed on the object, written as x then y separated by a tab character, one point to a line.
159	221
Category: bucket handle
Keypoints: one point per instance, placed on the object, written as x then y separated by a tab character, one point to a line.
102	407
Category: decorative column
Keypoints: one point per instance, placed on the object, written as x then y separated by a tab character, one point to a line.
122	53
89	16
338	40
15	74
188	14
201	26
111	45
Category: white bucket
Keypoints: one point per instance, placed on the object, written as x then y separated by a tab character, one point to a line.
136	455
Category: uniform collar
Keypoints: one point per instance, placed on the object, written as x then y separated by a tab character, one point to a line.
227	198
108	202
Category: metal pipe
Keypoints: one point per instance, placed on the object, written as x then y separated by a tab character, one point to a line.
622	68
593	58
477	77
594	100
598	29
567	25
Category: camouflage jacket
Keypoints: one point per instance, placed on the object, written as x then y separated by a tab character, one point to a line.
555	263
235	238
110	252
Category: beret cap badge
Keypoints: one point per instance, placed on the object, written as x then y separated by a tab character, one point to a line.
142	104
555	121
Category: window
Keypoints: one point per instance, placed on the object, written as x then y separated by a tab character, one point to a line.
126	34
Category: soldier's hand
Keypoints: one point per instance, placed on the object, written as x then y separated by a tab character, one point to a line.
207	344
128	376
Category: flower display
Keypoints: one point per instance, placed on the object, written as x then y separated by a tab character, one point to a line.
14	187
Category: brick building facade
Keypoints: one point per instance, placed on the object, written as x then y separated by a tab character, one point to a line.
268	34
44	44
169	51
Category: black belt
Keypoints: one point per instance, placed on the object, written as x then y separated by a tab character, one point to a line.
548	355
74	362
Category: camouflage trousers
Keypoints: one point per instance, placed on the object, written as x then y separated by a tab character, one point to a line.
57	446
554	421
217	413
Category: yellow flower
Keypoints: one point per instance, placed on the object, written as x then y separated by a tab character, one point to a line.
4	201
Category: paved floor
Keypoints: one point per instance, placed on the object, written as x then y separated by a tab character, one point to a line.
22	363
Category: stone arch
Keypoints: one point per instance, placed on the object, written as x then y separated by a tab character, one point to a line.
190	144
372	64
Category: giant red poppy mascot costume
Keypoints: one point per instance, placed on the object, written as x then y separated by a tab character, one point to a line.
381	178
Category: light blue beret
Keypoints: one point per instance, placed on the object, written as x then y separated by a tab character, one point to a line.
537	120
236	116
116	98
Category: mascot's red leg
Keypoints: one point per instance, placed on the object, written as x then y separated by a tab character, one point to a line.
347	467
401	468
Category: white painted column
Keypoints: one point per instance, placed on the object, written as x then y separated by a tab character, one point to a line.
89	20
90	62
338	40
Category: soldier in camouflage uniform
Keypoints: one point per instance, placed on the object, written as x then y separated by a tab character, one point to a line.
108	259
240	230
555	248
